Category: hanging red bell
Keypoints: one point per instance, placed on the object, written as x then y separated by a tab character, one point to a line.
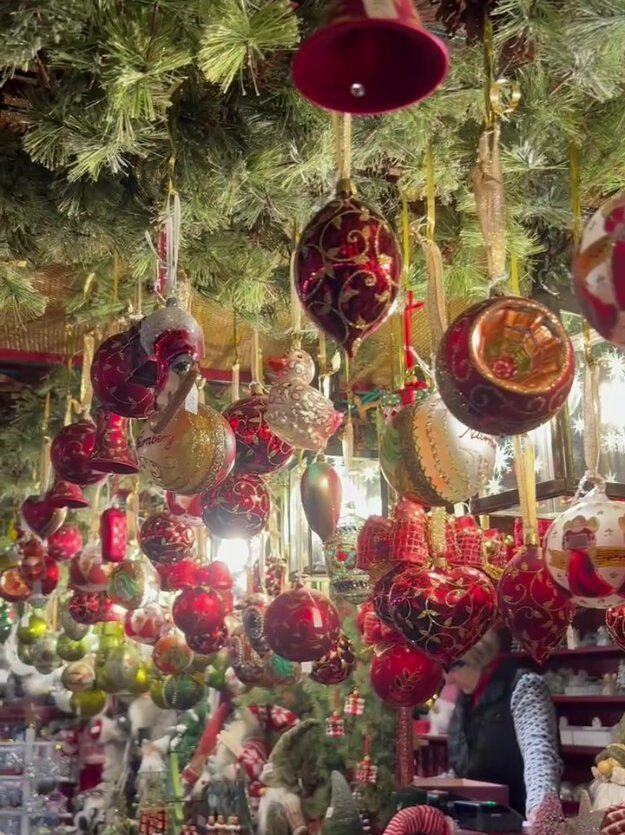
112	452
370	57
66	494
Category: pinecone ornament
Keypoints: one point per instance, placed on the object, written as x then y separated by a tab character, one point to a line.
463	16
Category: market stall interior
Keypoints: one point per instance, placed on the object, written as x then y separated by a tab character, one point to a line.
311	436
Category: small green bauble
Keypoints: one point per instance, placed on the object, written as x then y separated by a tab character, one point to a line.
35	628
5	623
121	667
157	694
184	690
143	680
71	650
88	703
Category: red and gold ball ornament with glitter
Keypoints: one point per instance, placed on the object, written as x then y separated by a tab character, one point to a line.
505	366
347	269
336	665
585	550
64	543
89	607
194	452
599	270
403	676
301	624
71	453
534	608
428	455
259	451
444	612
166	539
198	610
238	508
180	575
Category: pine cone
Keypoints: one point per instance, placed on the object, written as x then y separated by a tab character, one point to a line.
465	16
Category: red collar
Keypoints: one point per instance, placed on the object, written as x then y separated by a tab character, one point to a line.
487	674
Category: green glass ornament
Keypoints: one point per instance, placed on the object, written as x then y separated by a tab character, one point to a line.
184	690
157	694
121	667
70	650
45	656
35	628
5	623
89	703
75	631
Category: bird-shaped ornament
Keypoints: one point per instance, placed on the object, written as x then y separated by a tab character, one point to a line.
296	412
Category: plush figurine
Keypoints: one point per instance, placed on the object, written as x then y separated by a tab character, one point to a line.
341	817
608	787
280	809
443	707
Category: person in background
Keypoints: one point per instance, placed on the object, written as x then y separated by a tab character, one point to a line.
503	728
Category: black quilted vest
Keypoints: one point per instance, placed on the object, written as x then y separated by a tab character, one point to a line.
482	743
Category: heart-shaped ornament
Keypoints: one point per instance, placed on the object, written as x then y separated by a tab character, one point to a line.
373	546
41	517
443	612
615	624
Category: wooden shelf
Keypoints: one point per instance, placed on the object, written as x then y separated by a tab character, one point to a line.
582	750
564	652
562	699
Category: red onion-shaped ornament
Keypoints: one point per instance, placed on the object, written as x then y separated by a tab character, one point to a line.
65	543
442	612
197	611
112	453
41	516
403	676
322	493
505	366
64	494
347	270
180	575
187	508
336	665
301	624
238	508
89	607
71	453
534	608
113	534
259	451
113	370
44	581
165	539
585	550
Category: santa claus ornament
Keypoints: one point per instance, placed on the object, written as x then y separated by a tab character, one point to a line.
585	550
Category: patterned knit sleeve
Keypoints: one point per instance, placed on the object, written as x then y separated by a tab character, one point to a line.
536	729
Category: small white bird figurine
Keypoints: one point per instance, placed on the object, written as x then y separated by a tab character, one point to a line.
296	412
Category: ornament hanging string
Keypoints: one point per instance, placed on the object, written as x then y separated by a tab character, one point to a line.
515	284
132	514
296	307
46	443
348	431
524	468
235	391
115	279
167	249
342	124
256	358
86	389
435	291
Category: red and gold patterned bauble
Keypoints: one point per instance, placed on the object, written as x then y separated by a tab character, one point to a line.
534	608
112	453
87	571
505	366
64	543
46	580
215	574
259	451
615	624
166	539
599	270
443	612
172	654
431	457
373	546
301	624
113	534
180	575
210	642
404	676
71	453
381	594
13	588
337	664
146	624
187	508
585	550
41	516
238	509
347	270
197	611
88	607
114	363
195	452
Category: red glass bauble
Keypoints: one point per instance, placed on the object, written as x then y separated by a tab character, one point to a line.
113	534
209	643
114	363
44	581
112	452
197	611
373	546
301	624
71	453
180	575
615	624
443	612
534	608
13	587
259	451
87	570
505	366
41	516
32	563
89	607
146	624
166	539
347	270
65	543
404	676
238	509
216	575
337	664
187	508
